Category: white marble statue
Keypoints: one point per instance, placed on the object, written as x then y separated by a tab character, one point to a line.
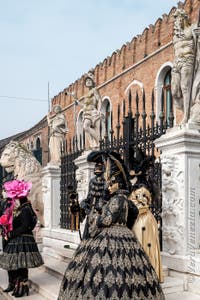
183	67
195	109
18	159
92	114
58	128
186	69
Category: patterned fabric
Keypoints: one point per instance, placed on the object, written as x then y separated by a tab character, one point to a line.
21	252
93	204
112	265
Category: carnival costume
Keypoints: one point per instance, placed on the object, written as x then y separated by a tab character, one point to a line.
96	198
5	204
112	264
146	226
21	251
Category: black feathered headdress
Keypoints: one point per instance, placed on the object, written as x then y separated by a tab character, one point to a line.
140	165
139	162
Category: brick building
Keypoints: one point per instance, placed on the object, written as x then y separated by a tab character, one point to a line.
143	63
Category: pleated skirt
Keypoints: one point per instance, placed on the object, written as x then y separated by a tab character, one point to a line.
112	265
21	252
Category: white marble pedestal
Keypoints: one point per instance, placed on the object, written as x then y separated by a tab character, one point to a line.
180	159
55	238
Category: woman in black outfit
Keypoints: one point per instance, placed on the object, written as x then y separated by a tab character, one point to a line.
4	204
21	252
112	264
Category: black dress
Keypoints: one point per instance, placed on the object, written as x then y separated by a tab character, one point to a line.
112	265
21	250
92	205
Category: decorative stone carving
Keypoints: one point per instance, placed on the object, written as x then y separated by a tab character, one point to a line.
180	158
172	178
58	128
92	115
183	68
82	184
16	158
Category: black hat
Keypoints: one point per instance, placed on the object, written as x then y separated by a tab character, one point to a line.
139	162
97	157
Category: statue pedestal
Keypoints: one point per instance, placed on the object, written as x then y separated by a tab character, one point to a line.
180	159
54	238
51	195
84	173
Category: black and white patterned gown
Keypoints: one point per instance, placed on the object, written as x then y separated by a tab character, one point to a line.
111	265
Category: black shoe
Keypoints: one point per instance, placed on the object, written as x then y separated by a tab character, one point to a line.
16	288
23	289
10	288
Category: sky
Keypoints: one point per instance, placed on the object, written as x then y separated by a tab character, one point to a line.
45	45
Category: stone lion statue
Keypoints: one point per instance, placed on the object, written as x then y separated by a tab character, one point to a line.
17	159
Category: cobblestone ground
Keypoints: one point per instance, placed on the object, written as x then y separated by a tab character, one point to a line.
2	296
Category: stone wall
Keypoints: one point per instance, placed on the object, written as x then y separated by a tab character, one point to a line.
140	59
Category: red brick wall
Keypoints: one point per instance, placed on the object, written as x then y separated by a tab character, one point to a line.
137	54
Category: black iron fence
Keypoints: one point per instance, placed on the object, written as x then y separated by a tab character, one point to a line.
137	129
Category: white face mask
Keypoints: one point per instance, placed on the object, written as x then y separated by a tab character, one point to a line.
17	203
4	194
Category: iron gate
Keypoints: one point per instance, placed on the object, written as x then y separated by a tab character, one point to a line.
137	130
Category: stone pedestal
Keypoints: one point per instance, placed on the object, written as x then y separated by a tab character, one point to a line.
54	238
180	159
51	195
84	173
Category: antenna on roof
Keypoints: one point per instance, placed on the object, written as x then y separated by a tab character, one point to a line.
48	99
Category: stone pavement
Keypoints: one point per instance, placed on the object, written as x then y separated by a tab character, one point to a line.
33	294
45	286
182	296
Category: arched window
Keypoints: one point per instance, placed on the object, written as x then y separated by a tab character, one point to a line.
108	117
163	83
106	110
168	106
37	152
38	143
79	128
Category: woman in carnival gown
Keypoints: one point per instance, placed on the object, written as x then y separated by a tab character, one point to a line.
112	264
144	193
20	252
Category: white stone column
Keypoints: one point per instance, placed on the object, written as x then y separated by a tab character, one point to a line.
84	173
51	195
54	237
180	159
